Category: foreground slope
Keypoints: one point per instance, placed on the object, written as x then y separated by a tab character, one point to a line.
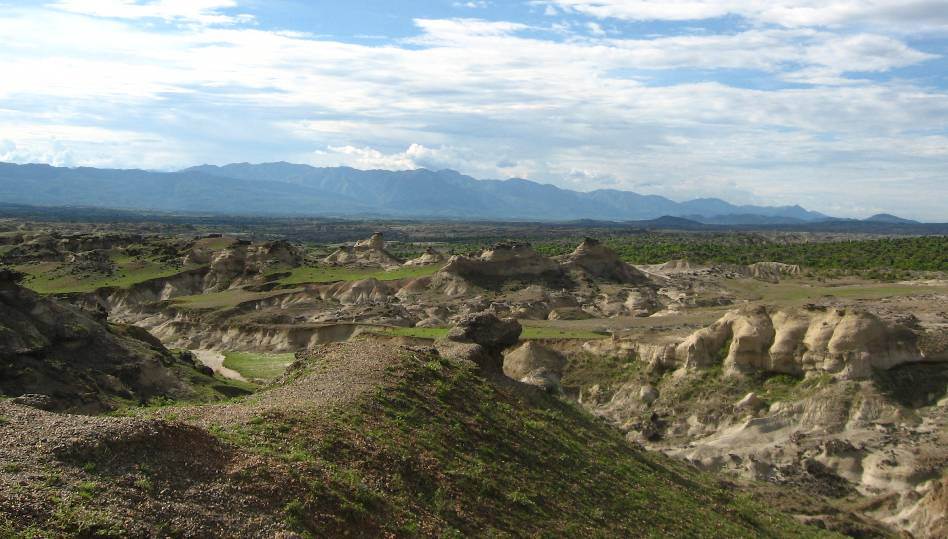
363	438
61	357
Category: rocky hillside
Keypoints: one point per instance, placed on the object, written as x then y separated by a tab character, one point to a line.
836	400
364	438
58	357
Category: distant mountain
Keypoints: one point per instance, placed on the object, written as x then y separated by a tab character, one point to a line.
745	219
889	218
289	189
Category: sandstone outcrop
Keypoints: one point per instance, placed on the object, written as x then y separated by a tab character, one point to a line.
773	271
642	301
481	338
847	343
505	262
535	364
241	262
369	252
595	260
429	257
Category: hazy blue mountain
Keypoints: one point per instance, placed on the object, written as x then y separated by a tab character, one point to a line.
889	218
289	189
746	219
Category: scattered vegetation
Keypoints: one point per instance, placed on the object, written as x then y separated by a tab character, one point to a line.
258	366
445	453
925	253
54	278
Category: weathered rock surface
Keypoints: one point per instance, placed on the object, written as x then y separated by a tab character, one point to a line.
597	261
429	257
74	359
481	338
505	262
365	253
535	364
847	343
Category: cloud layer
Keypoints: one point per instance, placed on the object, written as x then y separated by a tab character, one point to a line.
825	104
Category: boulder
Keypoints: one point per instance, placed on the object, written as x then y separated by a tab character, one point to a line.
750	402
35	400
487	330
531	357
480	338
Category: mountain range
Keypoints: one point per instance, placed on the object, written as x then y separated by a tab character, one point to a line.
285	189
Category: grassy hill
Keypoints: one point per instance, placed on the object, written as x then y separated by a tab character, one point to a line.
362	439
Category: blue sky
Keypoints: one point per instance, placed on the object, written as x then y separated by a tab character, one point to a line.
838	105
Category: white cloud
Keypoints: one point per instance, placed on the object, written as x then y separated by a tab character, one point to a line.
189	11
472	4
911	15
487	98
595	29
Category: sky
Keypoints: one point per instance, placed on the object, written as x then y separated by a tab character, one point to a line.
840	106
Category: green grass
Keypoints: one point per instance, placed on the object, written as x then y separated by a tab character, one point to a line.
215	244
258	366
420	333
792	290
48	277
224	299
529	333
540	332
443	450
331	274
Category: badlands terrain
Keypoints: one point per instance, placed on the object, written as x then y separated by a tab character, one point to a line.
408	379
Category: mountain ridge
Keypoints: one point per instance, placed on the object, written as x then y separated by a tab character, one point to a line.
292	189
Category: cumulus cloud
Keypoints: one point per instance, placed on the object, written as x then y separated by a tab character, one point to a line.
488	98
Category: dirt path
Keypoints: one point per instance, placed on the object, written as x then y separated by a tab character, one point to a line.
215	360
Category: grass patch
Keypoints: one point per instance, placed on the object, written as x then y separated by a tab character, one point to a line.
332	274
797	291
420	333
258	366
538	332
51	277
224	299
609	372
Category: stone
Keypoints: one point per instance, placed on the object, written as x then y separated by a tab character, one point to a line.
35	400
532	357
648	394
750	402
487	330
